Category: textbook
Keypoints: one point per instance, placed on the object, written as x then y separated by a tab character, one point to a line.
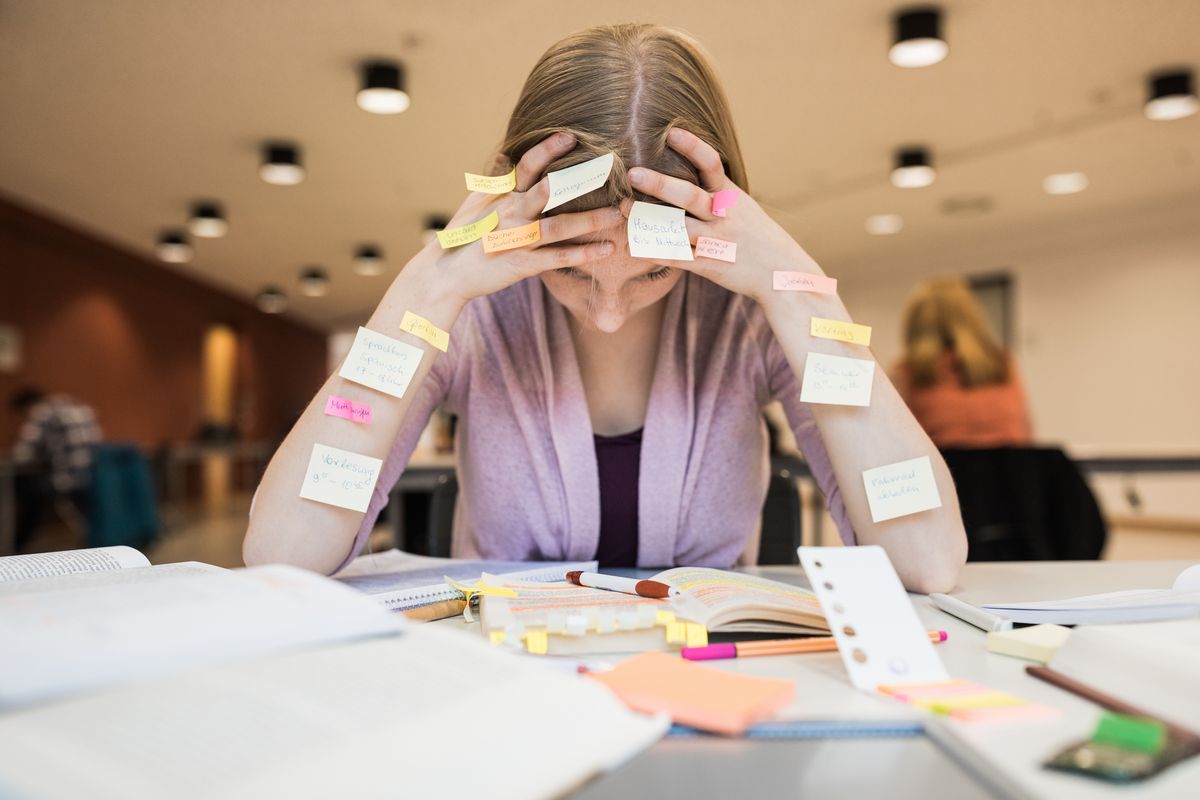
584	620
70	562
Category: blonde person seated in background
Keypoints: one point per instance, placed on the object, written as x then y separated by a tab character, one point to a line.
959	382
611	406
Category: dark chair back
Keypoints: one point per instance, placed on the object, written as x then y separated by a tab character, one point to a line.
781	520
122	505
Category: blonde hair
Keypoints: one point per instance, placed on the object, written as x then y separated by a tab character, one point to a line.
943	317
619	89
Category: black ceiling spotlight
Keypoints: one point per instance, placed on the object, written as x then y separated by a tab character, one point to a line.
368	260
913	168
314	282
1171	95
433	224
173	247
207	220
382	90
281	164
271	300
918	37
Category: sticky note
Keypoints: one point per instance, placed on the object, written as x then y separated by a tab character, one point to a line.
663	617
455	237
1132	733
1035	643
491	184
837	380
497	637
676	633
658	232
879	637
803	282
537	642
899	489
702	697
340	478
511	238
697	635
380	362
716	248
347	409
424	329
842	331
567	184
723	201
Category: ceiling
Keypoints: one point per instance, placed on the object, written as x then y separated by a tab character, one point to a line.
117	115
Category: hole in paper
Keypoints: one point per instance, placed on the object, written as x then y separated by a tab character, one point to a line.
859	655
849	630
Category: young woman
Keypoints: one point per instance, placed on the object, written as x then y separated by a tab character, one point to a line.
960	384
611	405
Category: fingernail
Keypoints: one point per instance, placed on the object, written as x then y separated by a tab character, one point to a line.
636	175
565	139
675	135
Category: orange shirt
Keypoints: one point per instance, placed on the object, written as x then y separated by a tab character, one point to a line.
958	416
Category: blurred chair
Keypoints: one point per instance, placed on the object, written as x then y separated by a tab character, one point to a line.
1025	504
122	507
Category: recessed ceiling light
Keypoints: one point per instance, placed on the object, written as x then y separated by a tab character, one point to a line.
382	89
207	221
368	260
884	224
913	169
1065	183
433	224
918	39
1171	96
271	300
174	248
314	282
281	164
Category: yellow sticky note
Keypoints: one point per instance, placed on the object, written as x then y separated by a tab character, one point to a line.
497	637
456	237
537	642
697	635
510	238
948	705
491	184
664	617
676	633
424	329
842	331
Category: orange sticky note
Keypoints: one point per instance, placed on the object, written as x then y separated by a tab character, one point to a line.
783	281
509	238
702	697
424	329
719	249
841	331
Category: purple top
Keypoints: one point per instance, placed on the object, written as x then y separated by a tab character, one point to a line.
617	464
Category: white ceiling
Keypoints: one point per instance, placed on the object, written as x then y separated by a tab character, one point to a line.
116	115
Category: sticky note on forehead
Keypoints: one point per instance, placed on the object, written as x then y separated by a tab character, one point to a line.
841	331
491	184
900	489
656	231
567	184
803	282
340	478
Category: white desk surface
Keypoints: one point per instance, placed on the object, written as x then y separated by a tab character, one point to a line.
984	761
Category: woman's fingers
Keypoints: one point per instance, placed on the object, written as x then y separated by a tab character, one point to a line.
543	259
529	205
702	155
567	226
674	191
540	156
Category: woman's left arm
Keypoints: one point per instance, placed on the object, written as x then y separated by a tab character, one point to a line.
927	548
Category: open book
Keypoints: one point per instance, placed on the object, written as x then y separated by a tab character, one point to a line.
583	620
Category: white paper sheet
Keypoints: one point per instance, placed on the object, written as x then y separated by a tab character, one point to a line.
899	489
837	380
340	477
658	232
381	363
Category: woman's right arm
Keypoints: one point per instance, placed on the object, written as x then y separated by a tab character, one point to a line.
435	284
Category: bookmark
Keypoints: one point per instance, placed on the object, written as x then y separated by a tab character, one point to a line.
381	363
491	184
841	331
456	237
879	637
424	329
340	478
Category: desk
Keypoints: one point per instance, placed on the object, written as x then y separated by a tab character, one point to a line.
950	762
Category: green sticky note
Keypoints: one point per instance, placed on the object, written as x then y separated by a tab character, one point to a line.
1132	733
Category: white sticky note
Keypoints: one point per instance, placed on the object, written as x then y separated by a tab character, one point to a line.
340	478
903	488
658	232
567	184
879	636
837	380
380	362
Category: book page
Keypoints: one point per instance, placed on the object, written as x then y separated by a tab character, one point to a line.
714	597
69	562
387	717
55	583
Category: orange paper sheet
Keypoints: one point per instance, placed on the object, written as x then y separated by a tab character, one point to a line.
702	697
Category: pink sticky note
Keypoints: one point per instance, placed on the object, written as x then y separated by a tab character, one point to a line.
724	200
804	282
341	407
716	248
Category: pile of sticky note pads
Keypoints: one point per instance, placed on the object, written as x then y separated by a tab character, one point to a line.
966	701
1036	643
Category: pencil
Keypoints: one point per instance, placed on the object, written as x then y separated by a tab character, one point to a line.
774	647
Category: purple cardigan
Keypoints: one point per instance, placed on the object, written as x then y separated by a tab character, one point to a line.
527	460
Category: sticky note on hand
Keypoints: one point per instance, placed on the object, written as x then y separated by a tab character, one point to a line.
567	184
900	489
840	331
340	478
719	249
656	231
837	380
491	184
511	238
724	200
456	237
381	363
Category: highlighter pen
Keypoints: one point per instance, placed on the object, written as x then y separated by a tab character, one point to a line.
973	615
612	583
775	647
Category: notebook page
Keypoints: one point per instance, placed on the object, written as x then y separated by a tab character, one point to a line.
68	562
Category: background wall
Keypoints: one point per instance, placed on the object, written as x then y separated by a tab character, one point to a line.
127	337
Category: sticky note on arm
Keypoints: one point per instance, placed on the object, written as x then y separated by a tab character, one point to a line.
900	489
837	380
465	234
425	330
381	363
840	331
340	478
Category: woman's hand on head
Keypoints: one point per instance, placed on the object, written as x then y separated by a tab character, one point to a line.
762	245
467	272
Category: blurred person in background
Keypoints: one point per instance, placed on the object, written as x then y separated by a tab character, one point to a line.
959	382
54	447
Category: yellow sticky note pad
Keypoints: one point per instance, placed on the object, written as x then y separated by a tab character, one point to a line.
510	238
497	637
676	633
697	635
491	184
664	617
842	331
456	237
537	642
424	329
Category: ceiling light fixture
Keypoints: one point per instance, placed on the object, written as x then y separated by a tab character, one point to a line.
174	248
918	38
913	168
433	224
382	89
207	221
281	164
314	282
884	224
368	260
271	300
1172	95
1065	183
